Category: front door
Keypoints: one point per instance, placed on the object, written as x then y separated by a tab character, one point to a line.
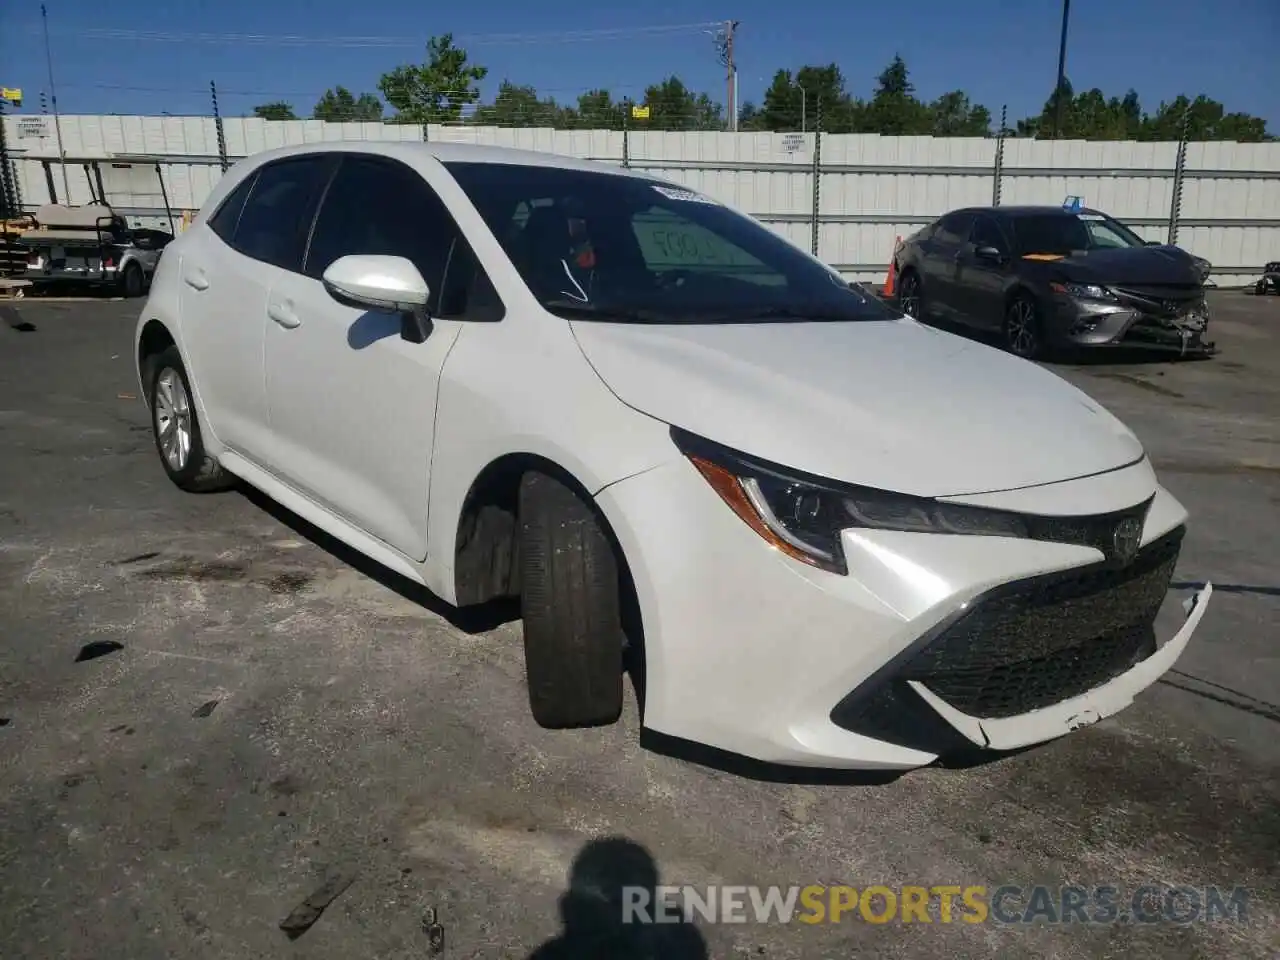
980	283
352	405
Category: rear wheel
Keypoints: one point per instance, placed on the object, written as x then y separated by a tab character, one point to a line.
571	606
132	283
910	299
177	428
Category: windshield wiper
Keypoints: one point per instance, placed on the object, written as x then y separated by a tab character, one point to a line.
590	311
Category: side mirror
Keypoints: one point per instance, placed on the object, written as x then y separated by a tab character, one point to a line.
383	284
1154	243
989	254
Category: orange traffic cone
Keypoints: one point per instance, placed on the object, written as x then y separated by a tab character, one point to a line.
892	275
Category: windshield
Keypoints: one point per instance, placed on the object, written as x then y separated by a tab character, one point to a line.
1061	233
616	248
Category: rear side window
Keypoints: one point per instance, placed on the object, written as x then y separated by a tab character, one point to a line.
953	228
274	223
224	221
382	207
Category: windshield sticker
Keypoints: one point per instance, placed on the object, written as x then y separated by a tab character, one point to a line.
1043	256
1090	216
686	195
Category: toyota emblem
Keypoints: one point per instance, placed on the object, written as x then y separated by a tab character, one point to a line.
1126	539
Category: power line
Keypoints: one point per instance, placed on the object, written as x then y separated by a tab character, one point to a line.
295	40
539	91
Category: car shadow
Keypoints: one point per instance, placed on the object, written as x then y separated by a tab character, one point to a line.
372	326
608	878
477	619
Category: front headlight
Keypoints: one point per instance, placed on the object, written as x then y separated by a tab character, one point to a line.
1082	291
803	516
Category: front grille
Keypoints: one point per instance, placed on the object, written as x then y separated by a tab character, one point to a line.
1162	300
1037	642
1097	531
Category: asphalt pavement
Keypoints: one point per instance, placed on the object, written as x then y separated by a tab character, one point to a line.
212	719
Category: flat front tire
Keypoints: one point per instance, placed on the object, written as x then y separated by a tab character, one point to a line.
176	427
571	607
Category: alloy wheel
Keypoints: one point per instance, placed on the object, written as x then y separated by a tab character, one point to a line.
172	410
909	298
1020	328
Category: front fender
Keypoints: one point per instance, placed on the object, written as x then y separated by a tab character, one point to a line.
526	389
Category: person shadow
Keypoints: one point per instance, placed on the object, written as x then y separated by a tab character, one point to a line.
606	876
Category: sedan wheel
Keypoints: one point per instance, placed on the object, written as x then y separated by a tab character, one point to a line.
909	300
1022	329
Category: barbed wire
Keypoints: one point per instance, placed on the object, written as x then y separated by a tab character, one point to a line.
295	40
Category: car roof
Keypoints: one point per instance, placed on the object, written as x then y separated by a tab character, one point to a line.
449	153
1029	210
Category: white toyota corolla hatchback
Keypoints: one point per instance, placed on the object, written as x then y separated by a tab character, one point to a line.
827	535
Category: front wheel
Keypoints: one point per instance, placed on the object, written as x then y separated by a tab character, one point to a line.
1023	332
571	605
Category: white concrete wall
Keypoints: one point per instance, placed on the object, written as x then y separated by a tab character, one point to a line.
872	189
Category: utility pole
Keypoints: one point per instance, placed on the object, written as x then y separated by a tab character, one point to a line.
53	95
731	75
1062	71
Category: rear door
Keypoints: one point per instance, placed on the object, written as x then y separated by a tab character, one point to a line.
352	404
938	265
227	274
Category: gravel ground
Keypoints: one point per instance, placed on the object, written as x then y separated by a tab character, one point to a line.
278	714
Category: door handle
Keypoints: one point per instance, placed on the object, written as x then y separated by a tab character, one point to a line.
283	315
196	280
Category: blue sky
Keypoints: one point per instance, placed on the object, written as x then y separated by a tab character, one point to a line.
1000	52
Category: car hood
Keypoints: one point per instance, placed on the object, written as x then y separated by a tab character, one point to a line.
888	404
1135	266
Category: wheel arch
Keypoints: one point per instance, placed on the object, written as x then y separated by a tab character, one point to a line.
485	542
153	339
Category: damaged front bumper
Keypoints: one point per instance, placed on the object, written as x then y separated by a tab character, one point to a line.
1182	329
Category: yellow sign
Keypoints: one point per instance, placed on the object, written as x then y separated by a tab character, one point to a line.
639	112
12	94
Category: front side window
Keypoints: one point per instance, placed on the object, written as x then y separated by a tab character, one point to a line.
273	226
986	233
616	247
381	207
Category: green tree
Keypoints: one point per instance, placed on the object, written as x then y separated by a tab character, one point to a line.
673	106
800	101
1091	115
597	110
516	106
894	110
274	111
955	116
340	105
435	91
